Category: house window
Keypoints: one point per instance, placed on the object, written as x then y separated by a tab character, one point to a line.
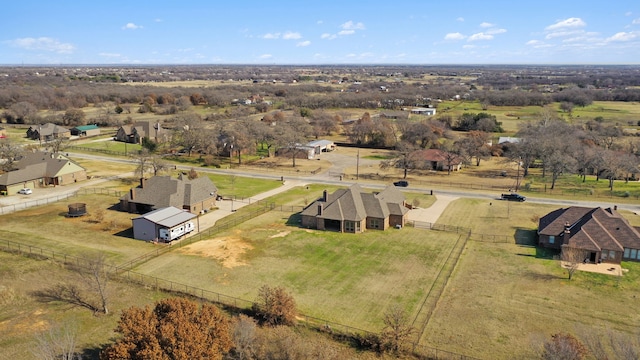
603	255
375	223
634	253
612	254
349	226
626	253
552	239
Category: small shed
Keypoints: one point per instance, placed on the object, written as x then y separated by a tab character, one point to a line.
77	210
147	226
86	130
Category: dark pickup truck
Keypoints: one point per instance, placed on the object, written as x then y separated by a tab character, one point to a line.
513	197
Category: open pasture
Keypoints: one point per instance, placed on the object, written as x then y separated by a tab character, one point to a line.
504	297
345	278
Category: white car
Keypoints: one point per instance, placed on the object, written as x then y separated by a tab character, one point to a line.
25	191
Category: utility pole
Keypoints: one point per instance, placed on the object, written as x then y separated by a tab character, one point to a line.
358	165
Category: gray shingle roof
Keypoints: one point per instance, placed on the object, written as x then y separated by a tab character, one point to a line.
355	205
35	165
164	191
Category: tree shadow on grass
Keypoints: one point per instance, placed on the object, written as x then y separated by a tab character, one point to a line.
69	294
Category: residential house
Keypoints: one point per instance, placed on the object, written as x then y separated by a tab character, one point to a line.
134	134
508	140
436	159
194	195
603	234
86	130
48	132
352	210
40	169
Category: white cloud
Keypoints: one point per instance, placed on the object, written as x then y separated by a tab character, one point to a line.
496	31
109	55
350	25
43	43
131	26
480	36
319	22
266	56
467	46
567	23
454	36
271	36
537	44
158	20
328	36
556	34
304	43
461	19
486	25
636	21
624	36
346	32
291	36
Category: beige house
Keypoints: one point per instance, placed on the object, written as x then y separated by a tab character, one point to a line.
352	210
48	132
40	169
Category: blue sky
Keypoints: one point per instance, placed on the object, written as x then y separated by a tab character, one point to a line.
320	32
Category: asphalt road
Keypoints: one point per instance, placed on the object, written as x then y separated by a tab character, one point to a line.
339	163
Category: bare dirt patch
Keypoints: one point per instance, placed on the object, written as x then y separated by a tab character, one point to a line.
280	234
228	250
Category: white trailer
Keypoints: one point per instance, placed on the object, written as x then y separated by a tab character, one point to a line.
166	234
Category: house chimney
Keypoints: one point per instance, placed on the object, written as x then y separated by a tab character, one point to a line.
615	207
324	195
143	182
132	193
320	209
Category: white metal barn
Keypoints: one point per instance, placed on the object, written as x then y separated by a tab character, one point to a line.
147	226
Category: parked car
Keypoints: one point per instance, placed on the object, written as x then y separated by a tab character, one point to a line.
513	197
401	183
25	191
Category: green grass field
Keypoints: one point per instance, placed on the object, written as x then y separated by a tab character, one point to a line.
344	278
504	297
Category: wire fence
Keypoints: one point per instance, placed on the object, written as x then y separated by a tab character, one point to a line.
234	303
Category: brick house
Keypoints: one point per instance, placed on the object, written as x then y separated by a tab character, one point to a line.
603	234
352	210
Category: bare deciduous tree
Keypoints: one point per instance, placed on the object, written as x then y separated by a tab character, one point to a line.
572	258
397	330
563	347
10	152
57	343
